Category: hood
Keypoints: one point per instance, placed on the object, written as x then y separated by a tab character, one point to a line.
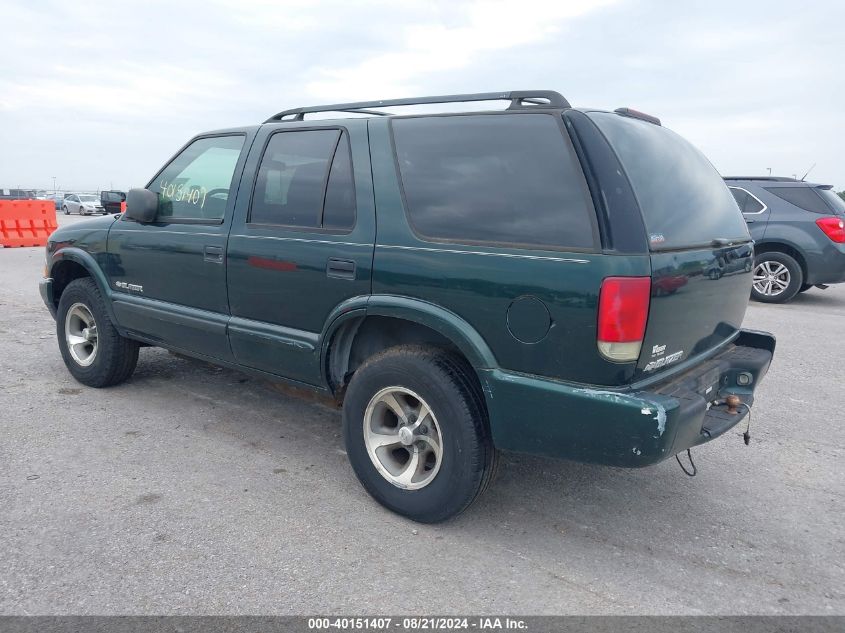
70	232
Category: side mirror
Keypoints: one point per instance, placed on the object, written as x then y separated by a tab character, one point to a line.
141	205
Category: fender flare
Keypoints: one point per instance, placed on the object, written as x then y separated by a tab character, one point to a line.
465	337
87	261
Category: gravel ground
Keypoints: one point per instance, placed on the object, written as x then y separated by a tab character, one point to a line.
192	489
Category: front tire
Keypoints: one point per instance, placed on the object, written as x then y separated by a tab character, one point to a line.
66	210
93	351
416	432
777	278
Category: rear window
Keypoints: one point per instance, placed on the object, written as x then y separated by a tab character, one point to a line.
803	197
813	199
683	199
509	179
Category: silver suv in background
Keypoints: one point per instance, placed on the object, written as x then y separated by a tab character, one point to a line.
799	234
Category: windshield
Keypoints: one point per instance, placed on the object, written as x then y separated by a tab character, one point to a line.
836	203
684	201
89	199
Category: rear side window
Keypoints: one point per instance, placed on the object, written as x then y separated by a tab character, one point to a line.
305	181
806	198
196	184
683	199
746	202
496	178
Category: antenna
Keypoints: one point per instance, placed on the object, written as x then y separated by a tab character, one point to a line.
808	172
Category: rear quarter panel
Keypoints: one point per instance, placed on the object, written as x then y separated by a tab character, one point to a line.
481	283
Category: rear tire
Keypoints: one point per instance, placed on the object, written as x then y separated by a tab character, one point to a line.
93	351
777	278
438	387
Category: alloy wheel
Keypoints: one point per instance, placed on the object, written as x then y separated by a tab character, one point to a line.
403	438
771	278
81	334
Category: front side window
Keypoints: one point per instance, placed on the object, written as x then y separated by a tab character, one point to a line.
505	179
196	184
305	181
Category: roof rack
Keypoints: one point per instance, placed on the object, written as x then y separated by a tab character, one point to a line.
769	178
519	99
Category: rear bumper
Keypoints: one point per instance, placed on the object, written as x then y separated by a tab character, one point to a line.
630	427
827	268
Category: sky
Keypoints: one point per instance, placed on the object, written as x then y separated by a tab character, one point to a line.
100	94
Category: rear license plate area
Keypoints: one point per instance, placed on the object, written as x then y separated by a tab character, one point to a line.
707	384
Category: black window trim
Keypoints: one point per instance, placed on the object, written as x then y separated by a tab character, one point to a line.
308	229
230	202
764	205
556	115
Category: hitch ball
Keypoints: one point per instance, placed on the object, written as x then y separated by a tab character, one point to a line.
732	403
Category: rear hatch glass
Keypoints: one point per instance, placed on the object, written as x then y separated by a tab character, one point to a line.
683	199
702	255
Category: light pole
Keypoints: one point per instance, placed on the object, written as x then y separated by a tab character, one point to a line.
54	185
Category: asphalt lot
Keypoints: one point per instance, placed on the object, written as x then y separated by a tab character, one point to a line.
192	489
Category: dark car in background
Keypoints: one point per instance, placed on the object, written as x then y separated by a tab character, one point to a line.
112	201
799	233
17	194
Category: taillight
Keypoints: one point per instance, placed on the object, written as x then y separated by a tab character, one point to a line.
834	228
623	314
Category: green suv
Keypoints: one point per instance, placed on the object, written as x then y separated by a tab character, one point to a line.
530	279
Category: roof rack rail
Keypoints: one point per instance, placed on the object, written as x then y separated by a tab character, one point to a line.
518	98
768	178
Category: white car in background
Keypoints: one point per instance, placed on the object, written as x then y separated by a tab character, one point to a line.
83	204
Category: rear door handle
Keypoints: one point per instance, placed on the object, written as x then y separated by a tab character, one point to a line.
213	254
340	268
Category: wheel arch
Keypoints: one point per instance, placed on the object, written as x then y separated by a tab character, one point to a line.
386	321
69	264
787	249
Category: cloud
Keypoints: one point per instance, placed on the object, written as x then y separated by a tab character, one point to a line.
434	47
99	92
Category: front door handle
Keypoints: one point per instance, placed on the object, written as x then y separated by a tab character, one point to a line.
213	254
340	268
